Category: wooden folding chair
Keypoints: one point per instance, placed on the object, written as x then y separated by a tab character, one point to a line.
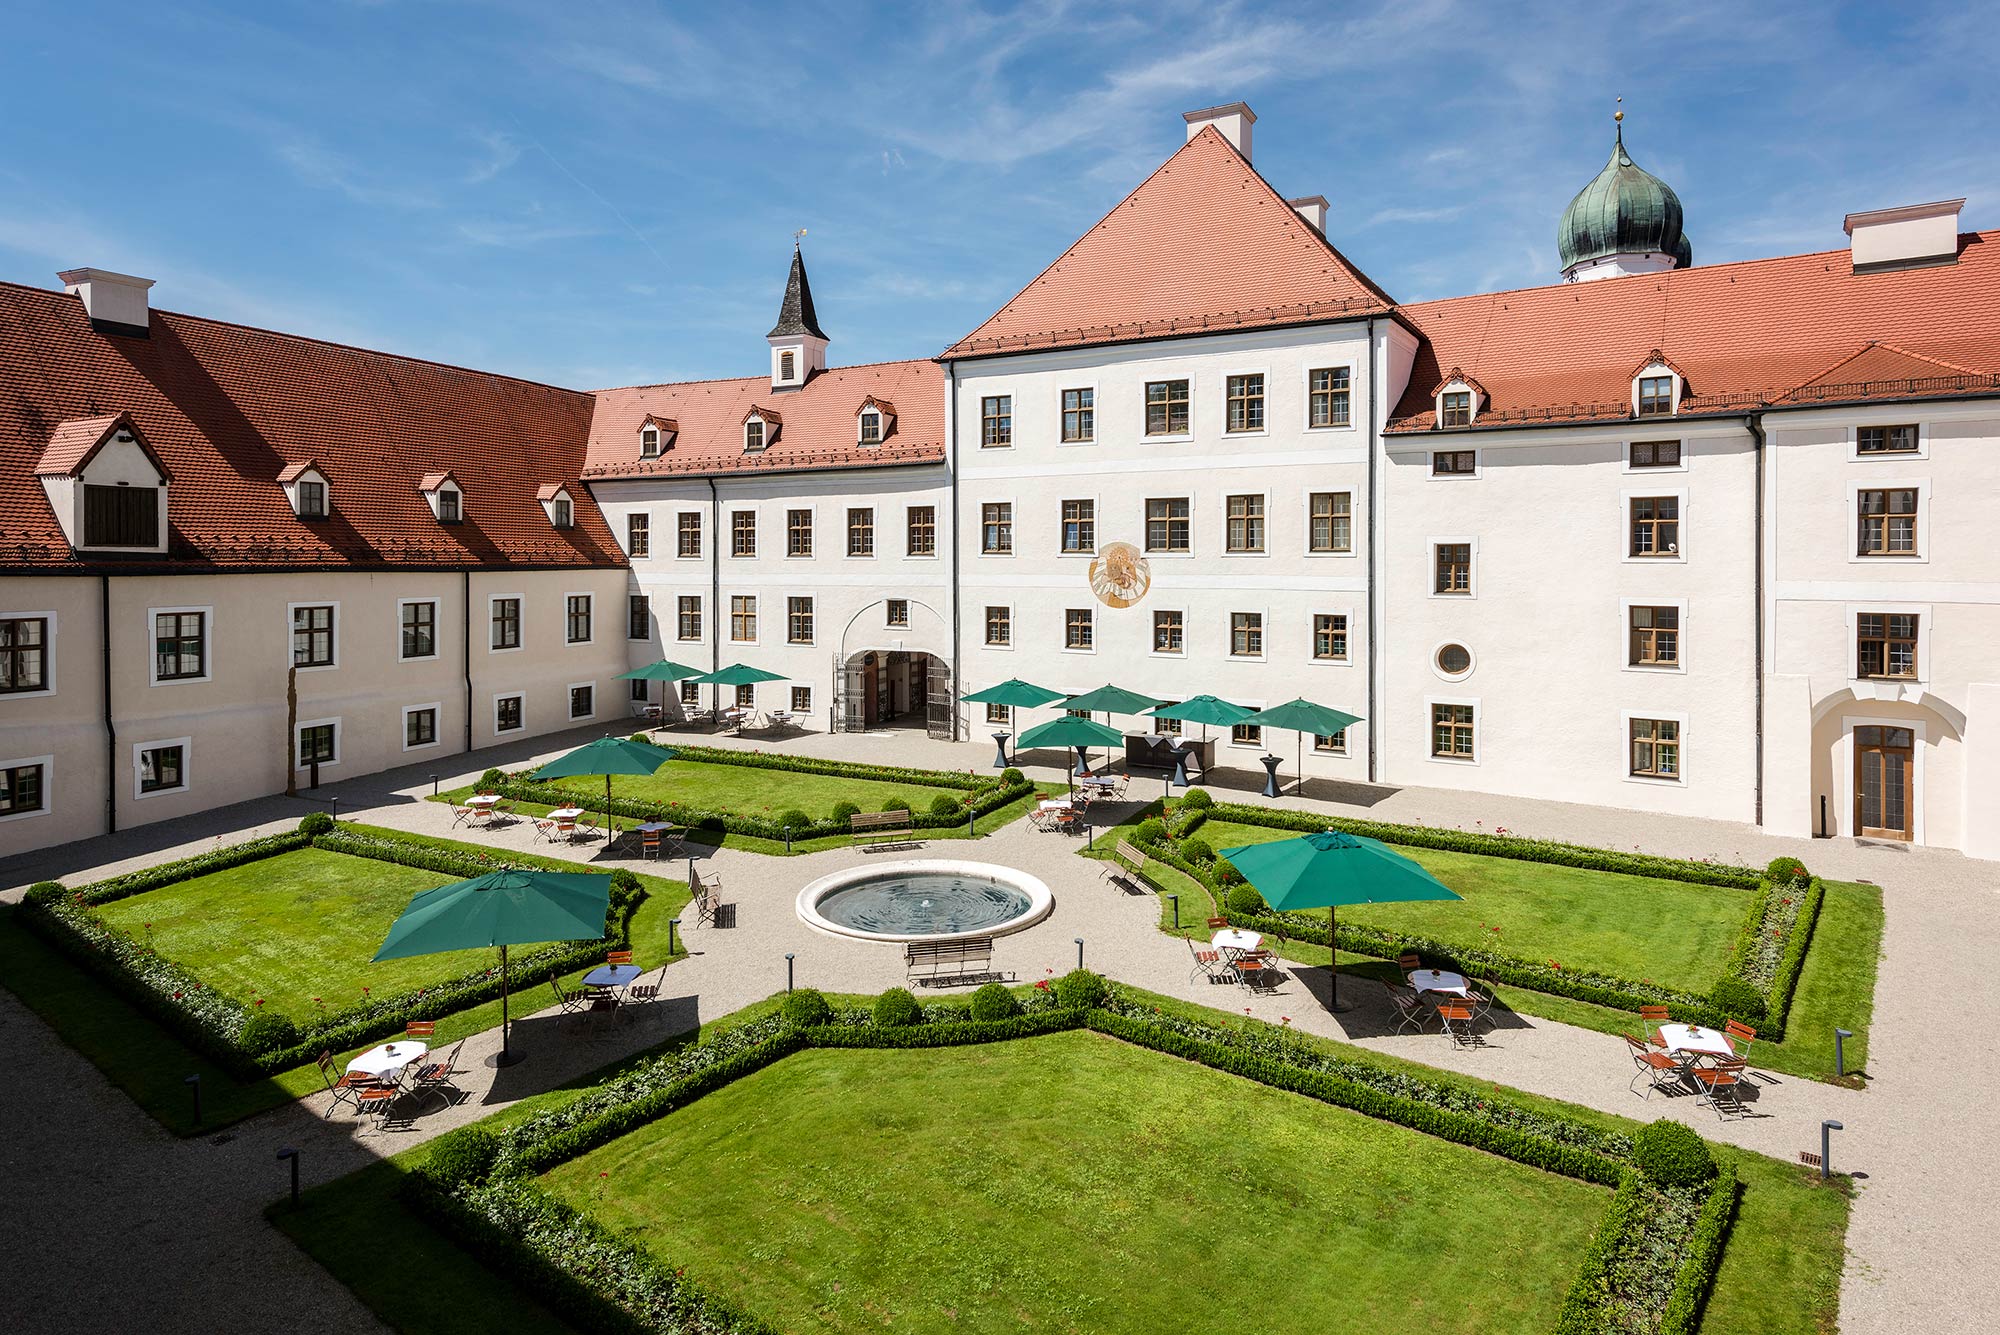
1740	1037
545	830
1207	962
420	1028
435	1077
1410	1008
1718	1085
375	1101
1409	962
343	1087
1217	924
649	844
1661	1071
1652	1017
1457	1020
460	815
618	957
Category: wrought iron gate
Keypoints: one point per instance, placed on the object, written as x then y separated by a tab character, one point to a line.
942	721
850	707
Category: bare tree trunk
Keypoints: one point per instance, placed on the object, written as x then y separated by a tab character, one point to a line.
291	730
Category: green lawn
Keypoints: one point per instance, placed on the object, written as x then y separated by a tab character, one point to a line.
1637	927
1074	1183
749	790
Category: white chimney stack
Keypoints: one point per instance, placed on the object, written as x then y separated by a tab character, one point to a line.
1233	120
1910	237
1313	209
115	302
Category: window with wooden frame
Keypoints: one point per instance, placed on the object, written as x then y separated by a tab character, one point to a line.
1453	561
24	653
896	613
1656	748
576	618
506	623
687	618
746	696
1656	454
180	647
642	690
312	501
1656	525
21	789
1246	634
1245	403
1454	463
687	538
802	699
419	630
639	617
1166	727
449	510
788	364
1655	636
922	530
798	533
1331	743
318	744
1886	439
1885	644
690	694
996	527
1079	526
507	714
649	443
743	533
1452	732
799	620
861	530
753	434
1455	408
1167	527
162	769
871	428
1079	628
996	714
1247	734
582	701
1330	637
996	421
1329	396
312	636
639	534
1245	529
1169	632
561	513
420	727
1079	415
1331	526
1886	521
743	618
999	626
1167	408
1656	395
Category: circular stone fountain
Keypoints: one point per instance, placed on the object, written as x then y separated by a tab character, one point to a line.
924	900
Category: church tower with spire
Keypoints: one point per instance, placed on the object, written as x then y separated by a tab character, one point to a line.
798	344
1626	221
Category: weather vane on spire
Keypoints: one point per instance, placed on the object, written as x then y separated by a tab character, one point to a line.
797	237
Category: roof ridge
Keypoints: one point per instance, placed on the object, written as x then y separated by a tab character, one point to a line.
732	379
1927	357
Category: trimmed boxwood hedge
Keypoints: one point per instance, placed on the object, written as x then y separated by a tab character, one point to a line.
1696	1276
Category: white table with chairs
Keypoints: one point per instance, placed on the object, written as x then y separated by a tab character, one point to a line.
1437	980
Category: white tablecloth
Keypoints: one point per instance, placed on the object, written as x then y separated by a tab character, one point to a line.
1436	980
482	801
565	813
1235	938
1057	804
1688	1038
387	1061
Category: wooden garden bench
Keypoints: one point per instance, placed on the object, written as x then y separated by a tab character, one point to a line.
1128	864
950	963
881	827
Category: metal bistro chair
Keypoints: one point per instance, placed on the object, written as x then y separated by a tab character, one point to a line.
1740	1037
344	1088
1410	1009
649	844
435	1077
460	815
1409	962
1208	962
1653	1017
1657	1068
1457	1019
1719	1084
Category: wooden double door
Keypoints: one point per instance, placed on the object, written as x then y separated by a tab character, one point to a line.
1884	793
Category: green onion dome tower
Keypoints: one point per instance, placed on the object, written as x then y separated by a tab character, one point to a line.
1626	221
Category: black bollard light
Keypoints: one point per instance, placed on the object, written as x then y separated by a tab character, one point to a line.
1826	1129
1079	952
193	1083
1177	911
289	1153
672	923
788	838
434	785
788	970
1840	1053
333	803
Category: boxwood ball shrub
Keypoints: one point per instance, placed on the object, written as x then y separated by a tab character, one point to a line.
944	804
805	1007
640	737
1197	851
794	819
492	778
1197	799
316	823
896	1008
1151	830
843	809
1245	900
1672	1155
1226	873
465	1157
898	804
1080	989
1783	871
994	1002
267	1031
1011	776
1740	998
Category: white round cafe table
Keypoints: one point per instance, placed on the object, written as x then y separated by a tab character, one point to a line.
566	813
1436	980
482	800
1693	1038
1058	804
1235	938
387	1060
611	975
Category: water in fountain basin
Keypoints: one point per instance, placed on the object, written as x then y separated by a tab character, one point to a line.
924	904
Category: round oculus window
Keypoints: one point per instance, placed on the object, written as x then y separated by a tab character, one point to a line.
1454	660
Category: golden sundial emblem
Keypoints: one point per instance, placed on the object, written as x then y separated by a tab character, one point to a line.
1120	574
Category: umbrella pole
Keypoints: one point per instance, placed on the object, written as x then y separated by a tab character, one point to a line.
1332	959
506	1056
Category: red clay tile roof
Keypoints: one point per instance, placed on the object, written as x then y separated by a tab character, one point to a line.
432	481
293	472
819	423
549	491
1204	243
76	440
1798	330
227	408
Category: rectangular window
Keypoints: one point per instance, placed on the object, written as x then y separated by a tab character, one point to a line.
1656	454
996	527
753	435
799	620
687	618
1246	634
690	694
24	653
996	713
1167	408
1329	397
743	533
687	536
861	531
1079	526
162	769
561	513
582	701
746	697
1656	525
639	617
1886	440
923	530
802	699
1656	748
1167	528
897	613
1169	632
1330	637
121	516
1332	526
1887	522
1886	644
1247	734
638	535
420	727
1454	568
506	623
871	428
1079	628
317	744
20	789
743	618
798	533
1246	523
642	690
1656	636
1656	395
1454	463
1166	727
312	500
996	421
448	510
788	362
1455	408
649	443
576	618
1079	415
180	646
1246	403
312	637
999	625
1452	730
419	635
1331	743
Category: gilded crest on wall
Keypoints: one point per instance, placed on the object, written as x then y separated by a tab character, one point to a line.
1120	574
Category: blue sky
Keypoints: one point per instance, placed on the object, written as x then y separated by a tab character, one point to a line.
598	195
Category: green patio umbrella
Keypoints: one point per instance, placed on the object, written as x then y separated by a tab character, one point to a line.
1112	701
1068	730
1014	693
1324	871
1302	717
1205	709
607	756
736	674
509	907
662	671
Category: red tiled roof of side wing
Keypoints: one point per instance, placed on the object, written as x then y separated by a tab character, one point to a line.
819	423
228	408
1204	243
1789	332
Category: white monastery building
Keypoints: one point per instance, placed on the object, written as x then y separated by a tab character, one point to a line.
1659	536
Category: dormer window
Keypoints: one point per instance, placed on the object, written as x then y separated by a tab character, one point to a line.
557	505
105	484
760	428
649	443
874	420
1657	386
312	500
445	497
753	435
871	428
560	513
788	365
656	436
1455	408
306	488
1656	396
